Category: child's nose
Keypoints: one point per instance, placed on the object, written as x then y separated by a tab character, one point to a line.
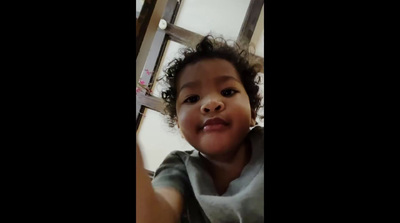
212	106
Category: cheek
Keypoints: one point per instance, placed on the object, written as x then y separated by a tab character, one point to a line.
185	118
243	111
243	104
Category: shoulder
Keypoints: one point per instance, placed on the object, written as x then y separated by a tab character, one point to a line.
256	137
257	130
257	133
175	160
176	157
172	172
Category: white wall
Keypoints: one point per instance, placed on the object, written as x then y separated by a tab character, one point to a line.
219	17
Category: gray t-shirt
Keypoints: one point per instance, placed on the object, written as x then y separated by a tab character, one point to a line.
243	201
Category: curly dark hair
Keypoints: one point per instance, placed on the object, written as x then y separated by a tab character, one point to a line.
212	48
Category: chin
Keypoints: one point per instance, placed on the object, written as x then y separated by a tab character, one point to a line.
213	148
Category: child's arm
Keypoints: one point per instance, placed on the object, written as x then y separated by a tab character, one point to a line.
162	205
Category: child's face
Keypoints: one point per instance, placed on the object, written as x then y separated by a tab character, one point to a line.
208	90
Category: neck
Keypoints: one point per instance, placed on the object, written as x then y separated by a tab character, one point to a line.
229	166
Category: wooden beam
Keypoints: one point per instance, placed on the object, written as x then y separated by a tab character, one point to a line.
151	102
183	36
142	22
250	22
153	61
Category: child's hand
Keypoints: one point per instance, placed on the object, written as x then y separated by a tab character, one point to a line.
165	205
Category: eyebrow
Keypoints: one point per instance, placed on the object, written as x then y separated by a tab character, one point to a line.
219	79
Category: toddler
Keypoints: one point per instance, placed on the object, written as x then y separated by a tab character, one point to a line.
212	97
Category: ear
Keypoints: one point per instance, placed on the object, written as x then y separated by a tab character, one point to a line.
177	123
179	128
253	122
253	119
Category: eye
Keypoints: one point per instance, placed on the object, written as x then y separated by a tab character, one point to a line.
191	99
228	92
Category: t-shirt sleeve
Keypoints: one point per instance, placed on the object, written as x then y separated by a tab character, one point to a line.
172	173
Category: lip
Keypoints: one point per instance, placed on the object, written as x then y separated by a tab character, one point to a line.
214	124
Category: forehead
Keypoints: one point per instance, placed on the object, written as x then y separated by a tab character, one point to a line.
207	70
